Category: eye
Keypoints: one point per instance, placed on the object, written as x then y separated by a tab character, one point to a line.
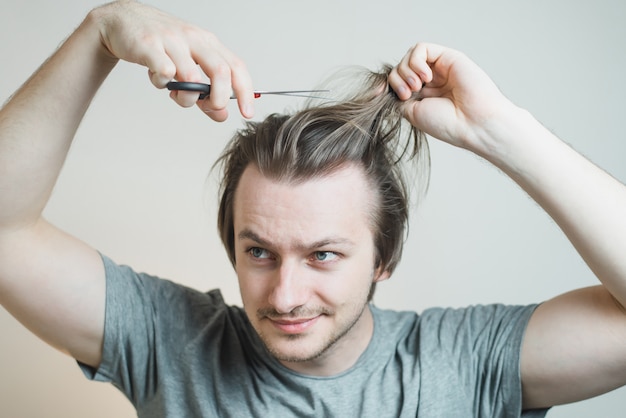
325	256
259	253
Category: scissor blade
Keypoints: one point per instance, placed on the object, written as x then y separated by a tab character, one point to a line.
294	93
306	96
205	90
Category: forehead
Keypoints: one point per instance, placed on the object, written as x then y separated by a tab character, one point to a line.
338	204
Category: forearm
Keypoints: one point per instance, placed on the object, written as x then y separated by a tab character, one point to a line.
38	123
587	203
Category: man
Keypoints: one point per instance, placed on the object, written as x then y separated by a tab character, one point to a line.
307	250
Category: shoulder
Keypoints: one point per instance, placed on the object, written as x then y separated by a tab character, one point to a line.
477	326
454	329
129	290
477	315
470	317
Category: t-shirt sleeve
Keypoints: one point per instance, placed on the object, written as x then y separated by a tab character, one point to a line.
143	314
479	348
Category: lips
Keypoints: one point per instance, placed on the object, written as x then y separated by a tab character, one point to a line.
293	326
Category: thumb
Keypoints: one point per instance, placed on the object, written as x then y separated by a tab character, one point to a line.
410	110
435	116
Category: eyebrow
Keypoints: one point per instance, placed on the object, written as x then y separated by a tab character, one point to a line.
251	235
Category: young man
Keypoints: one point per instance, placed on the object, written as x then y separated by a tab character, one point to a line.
307	236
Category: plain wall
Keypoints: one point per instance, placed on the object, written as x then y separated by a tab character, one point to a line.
136	185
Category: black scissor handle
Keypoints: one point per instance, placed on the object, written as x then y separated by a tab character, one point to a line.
202	88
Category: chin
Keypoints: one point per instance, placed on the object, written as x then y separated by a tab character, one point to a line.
292	348
298	348
295	355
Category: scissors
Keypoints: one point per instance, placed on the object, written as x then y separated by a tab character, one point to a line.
205	90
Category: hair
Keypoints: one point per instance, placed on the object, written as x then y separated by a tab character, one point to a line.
366	128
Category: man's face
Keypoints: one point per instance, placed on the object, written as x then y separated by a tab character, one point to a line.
305	262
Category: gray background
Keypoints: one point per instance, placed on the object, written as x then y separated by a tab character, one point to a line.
136	183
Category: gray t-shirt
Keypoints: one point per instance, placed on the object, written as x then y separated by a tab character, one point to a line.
177	352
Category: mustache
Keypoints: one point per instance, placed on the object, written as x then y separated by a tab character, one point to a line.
300	312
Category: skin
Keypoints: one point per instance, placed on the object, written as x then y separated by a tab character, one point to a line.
305	261
54	283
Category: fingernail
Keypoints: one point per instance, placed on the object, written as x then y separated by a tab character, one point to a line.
248	110
402	91
412	83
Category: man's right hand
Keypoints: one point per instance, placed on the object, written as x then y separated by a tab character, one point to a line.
173	49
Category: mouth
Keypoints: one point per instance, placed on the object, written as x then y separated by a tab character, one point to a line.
293	326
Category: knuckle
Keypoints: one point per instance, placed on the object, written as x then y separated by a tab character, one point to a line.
238	65
210	38
189	32
202	38
188	74
167	70
146	41
222	70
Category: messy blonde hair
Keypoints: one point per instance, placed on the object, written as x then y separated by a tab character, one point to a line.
365	128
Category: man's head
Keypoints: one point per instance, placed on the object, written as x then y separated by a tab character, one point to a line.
365	129
313	213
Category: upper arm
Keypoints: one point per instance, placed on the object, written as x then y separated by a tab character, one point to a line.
574	348
54	284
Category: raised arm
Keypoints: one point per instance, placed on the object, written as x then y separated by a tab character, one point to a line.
577	337
50	281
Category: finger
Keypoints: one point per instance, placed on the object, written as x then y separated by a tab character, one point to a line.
167	64
186	70
242	86
161	69
408	74
412	72
399	86
428	91
419	115
221	87
184	98
409	112
434	116
419	61
228	76
216	115
212	58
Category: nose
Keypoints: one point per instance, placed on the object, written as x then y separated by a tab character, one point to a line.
290	289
